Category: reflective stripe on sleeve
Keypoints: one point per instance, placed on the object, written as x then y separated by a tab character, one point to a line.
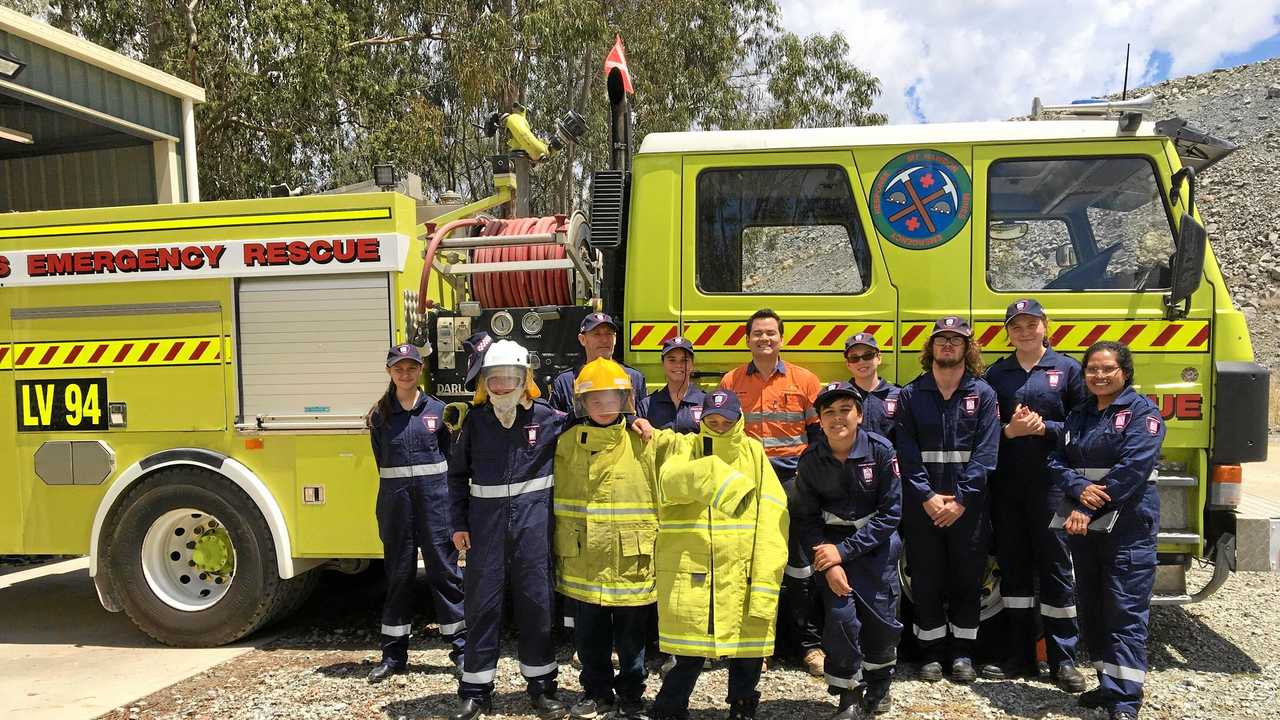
396	630
833	519
1093	474
1121	672
536	671
927	635
944	456
798	572
408	471
1061	613
512	489
783	441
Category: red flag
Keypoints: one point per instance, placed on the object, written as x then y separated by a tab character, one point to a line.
618	59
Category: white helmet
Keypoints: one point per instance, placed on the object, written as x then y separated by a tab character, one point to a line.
506	353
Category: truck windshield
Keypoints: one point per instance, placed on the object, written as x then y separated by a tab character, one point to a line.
1077	224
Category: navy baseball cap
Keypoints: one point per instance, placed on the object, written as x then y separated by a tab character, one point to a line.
595	320
833	391
861	339
952	324
403	352
475	346
1025	306
723	403
678	342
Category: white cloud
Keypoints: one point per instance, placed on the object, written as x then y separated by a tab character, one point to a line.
987	60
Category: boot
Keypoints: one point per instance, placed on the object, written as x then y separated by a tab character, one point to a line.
548	707
382	671
1095	698
589	708
471	708
1068	677
962	671
877	700
850	707
813	662
744	709
631	709
931	671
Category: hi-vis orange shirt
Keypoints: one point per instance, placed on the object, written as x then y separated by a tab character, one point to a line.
778	410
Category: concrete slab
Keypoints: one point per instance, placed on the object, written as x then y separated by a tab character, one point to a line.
63	656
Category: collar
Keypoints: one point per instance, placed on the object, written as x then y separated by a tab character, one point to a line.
422	400
693	396
1127	397
926	381
780	368
861	449
881	387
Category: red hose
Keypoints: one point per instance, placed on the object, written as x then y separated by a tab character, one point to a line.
441	232
508	289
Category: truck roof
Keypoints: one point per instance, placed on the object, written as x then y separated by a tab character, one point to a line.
708	141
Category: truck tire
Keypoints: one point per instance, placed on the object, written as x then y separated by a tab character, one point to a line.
192	559
293	594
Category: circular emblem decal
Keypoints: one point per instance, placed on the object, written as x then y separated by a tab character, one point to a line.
921	199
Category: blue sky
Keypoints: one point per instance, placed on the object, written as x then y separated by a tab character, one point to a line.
942	61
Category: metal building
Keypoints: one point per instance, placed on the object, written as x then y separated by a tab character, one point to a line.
82	126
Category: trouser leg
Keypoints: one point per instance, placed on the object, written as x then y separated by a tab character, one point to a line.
879	636
593	639
800	605
630	625
1014	552
926	561
967	542
400	562
1126	598
485	582
677	687
840	642
432	534
744	677
531	589
1057	592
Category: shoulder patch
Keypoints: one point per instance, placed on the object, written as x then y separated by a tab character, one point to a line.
1153	425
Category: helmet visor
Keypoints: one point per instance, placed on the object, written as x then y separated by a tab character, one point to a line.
601	404
503	379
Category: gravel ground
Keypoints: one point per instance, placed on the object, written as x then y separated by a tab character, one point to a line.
1219	659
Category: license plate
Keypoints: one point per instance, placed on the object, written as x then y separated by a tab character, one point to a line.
62	405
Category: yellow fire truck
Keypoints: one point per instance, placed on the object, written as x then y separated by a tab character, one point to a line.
189	381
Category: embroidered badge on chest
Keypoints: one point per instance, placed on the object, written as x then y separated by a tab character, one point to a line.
867	475
890	406
1120	421
696	411
1054	377
1153	425
431	421
970	405
531	434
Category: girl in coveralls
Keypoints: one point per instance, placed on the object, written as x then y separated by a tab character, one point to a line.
410	444
1106	465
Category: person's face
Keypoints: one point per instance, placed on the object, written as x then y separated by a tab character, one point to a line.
948	349
765	338
840	420
503	381
1103	374
1026	333
405	374
863	361
598	342
717	423
603	406
677	365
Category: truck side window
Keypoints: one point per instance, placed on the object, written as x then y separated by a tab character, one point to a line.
780	231
1077	224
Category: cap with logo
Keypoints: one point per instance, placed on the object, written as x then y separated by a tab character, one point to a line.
861	339
678	342
952	324
833	391
1025	306
475	346
723	403
403	352
595	320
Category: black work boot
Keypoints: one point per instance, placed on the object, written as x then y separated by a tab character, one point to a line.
962	671
1069	677
744	709
931	671
876	700
1095	698
588	707
547	707
470	708
383	670
850	705
631	709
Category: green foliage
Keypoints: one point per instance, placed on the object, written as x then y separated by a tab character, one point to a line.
312	93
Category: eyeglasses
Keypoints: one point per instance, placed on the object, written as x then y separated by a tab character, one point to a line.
949	339
855	357
1098	371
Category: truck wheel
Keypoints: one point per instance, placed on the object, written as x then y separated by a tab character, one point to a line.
192	559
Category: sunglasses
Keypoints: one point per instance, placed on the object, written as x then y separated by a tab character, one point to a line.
855	357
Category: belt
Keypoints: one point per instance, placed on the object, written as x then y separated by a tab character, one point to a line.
512	489
408	471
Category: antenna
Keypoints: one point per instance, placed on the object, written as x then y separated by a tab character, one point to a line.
1124	92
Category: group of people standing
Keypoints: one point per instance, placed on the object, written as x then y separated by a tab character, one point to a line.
775	505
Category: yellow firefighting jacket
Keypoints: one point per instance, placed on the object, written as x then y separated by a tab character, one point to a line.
722	547
606	515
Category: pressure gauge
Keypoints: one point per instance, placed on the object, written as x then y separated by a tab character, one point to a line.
531	323
502	323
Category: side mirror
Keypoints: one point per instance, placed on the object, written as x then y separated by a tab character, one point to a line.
1188	257
1065	255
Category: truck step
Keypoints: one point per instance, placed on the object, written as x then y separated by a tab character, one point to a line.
1178	537
1176	481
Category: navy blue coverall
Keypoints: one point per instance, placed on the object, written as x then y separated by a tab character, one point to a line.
662	414
500	485
1024	498
879	407
946	447
1115	572
855	503
410	448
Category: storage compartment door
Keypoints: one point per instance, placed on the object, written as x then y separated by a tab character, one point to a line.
312	349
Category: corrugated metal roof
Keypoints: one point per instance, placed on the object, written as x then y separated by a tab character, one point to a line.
712	141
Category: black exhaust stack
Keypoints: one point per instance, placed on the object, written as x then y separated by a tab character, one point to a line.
610	197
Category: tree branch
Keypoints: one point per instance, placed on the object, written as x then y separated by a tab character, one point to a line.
395	40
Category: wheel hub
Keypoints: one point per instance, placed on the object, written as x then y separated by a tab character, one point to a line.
213	552
188	559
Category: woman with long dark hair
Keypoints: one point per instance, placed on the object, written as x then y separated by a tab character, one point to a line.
1106	466
1036	388
410	444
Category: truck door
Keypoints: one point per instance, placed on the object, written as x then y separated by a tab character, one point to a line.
787	231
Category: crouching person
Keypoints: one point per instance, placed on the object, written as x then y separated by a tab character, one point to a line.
722	547
847	506
606	525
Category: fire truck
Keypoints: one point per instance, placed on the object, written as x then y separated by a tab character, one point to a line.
189	382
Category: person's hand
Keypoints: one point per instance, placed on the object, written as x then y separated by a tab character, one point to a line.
1077	523
1022	422
1037	423
951	512
1094	497
825	556
644	428
838	581
462	541
933	505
